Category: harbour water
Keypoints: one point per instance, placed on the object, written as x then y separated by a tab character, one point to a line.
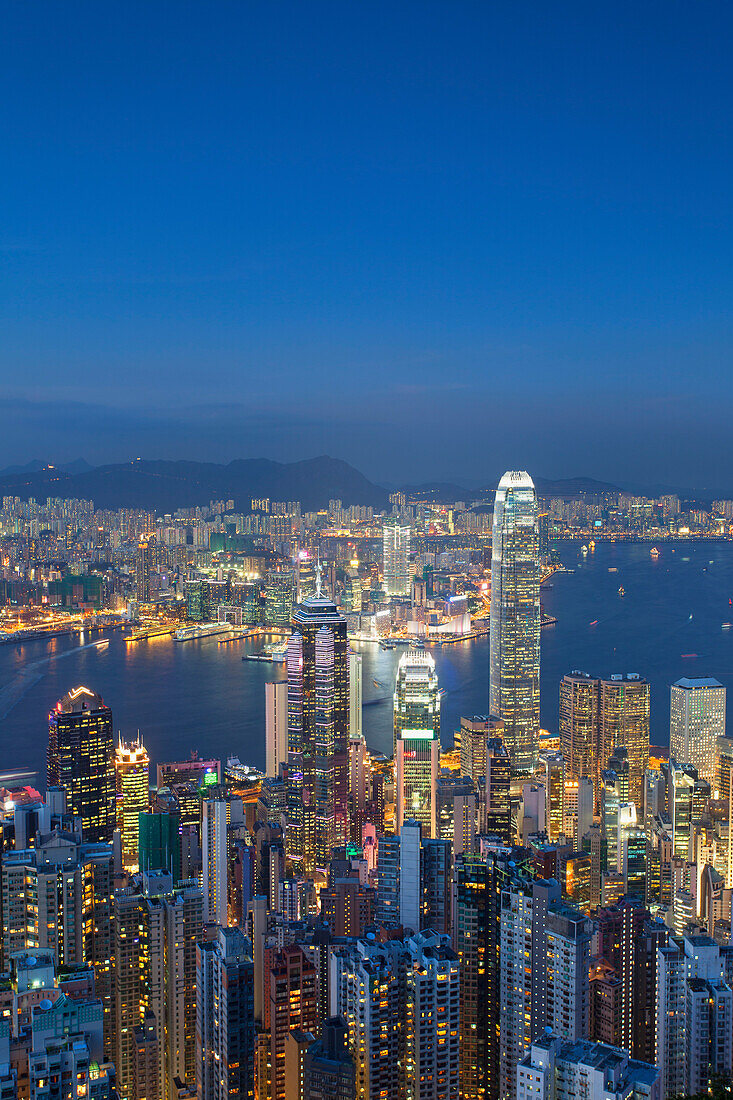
201	695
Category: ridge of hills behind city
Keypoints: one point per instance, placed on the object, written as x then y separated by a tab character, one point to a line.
161	484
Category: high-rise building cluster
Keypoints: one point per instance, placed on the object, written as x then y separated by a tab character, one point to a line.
520	914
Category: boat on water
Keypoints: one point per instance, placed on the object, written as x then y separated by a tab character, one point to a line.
654	553
584	549
612	569
388	645
621	590
594	623
243	773
726	626
102	644
685	655
376	683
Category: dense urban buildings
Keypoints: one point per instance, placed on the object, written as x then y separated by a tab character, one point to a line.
448	920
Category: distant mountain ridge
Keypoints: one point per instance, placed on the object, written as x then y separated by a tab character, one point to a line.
165	486
445	492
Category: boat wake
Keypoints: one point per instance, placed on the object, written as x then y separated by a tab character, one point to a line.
18	688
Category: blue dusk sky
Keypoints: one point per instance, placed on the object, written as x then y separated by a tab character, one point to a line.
437	240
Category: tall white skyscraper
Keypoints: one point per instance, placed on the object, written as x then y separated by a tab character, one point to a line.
514	685
396	559
276	727
417	740
696	721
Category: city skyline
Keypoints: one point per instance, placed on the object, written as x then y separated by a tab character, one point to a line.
366	551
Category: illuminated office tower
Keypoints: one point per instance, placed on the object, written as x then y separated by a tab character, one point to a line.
132	779
396	559
306	578
579	702
318	735
355	694
624	720
225	1028
554	795
514	684
81	761
498	775
696	721
360	781
279	587
687	797
417	740
276	727
473	735
143	561
352	589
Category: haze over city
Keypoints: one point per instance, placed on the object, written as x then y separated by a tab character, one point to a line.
434	240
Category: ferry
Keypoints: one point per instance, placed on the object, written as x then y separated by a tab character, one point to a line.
612	569
654	553
201	630
103	644
584	550
243	773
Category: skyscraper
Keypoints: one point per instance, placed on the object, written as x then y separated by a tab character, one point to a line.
145	552
498	808
355	694
318	734
396	559
132	768
417	740
81	761
624	720
696	721
276	727
279	587
514	685
579	701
